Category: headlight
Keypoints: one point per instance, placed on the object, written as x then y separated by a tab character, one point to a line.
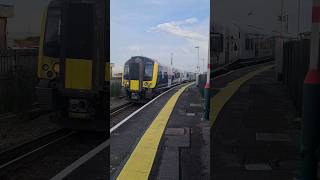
45	67
56	68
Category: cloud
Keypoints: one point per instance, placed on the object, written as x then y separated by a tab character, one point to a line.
177	28
156	2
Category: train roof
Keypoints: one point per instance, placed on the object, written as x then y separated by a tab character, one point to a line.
154	60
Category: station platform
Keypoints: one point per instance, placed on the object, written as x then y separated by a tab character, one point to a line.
165	140
256	133
253	127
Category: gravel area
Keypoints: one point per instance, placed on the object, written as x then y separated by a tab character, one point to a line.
16	130
47	163
116	102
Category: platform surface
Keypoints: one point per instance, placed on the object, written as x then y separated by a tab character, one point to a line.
256	134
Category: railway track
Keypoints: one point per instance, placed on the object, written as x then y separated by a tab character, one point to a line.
13	155
120	113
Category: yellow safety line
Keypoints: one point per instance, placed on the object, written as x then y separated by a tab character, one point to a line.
220	99
138	166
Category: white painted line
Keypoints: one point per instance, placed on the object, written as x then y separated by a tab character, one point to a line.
121	109
64	173
134	113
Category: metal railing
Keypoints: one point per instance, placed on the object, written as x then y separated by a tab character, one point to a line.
18	78
18	58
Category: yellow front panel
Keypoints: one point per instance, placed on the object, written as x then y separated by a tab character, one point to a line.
78	74
134	85
153	82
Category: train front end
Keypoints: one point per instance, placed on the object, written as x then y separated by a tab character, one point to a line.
72	64
140	78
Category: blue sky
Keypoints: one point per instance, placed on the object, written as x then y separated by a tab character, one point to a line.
157	28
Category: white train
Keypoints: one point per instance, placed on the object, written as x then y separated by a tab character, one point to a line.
234	41
143	77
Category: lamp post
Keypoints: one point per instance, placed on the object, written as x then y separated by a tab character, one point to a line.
203	65
171	58
198	66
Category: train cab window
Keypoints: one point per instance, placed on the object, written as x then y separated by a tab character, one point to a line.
126	71
52	33
148	71
134	71
80	31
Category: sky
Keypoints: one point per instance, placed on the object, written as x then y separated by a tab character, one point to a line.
157	28
27	18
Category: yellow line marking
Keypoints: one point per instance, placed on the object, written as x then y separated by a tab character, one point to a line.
139	164
220	99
